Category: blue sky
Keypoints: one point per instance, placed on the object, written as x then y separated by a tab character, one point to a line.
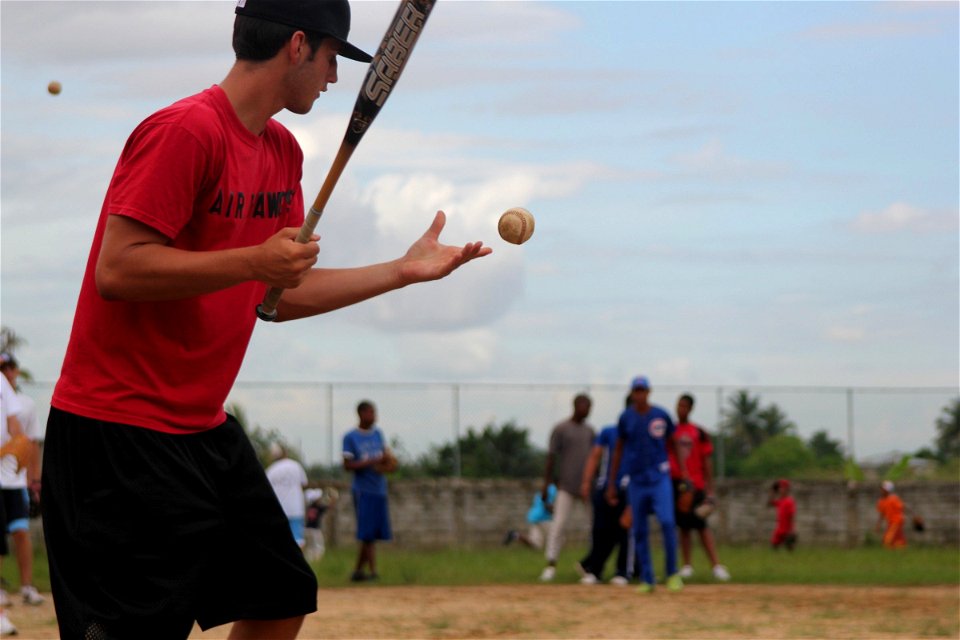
747	193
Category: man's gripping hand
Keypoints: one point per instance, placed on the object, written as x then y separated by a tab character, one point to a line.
283	262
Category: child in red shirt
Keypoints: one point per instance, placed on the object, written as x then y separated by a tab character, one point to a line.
786	507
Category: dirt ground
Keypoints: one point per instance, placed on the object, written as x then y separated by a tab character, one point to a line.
603	611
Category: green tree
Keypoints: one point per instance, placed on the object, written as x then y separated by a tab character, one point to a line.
745	425
503	452
948	432
10	343
827	452
261	438
781	455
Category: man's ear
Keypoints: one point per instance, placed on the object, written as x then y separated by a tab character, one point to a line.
297	47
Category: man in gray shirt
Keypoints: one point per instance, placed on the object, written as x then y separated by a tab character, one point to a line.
570	444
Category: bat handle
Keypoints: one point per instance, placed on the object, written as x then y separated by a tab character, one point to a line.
267	309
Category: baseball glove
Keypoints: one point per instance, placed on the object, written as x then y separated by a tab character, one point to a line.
19	451
684	497
919	524
387	464
705	508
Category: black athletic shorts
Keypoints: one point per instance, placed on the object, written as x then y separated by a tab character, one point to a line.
690	520
4	550
147	532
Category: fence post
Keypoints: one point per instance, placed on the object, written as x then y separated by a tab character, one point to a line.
330	424
456	430
850	423
721	437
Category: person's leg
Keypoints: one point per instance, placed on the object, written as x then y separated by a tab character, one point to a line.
685	546
640	504
663	509
24	551
372	557
706	537
561	512
286	629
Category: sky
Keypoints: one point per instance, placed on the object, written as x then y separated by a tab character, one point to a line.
727	194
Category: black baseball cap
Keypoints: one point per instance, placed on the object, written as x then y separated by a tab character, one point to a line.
326	17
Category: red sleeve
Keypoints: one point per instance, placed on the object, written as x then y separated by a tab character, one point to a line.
160	173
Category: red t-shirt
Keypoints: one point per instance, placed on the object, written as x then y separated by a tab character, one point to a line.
193	172
696	443
786	509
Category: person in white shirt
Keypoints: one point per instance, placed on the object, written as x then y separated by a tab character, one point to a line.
288	479
17	483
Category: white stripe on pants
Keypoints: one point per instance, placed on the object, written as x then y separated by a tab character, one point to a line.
562	507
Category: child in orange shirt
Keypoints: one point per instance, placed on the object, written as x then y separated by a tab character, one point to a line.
891	508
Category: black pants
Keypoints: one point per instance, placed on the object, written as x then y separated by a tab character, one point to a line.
606	535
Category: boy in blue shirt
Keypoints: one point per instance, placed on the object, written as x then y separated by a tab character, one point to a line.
644	435
363	448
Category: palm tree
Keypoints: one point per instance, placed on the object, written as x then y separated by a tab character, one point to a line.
948	431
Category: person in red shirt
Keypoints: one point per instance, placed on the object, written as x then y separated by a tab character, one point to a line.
781	499
157	513
890	508
694	446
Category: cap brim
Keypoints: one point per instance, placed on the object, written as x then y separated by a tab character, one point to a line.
347	50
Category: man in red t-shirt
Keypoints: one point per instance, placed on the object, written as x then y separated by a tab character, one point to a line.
694	446
786	507
144	473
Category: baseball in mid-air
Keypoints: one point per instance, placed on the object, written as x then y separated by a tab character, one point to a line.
54	88
516	225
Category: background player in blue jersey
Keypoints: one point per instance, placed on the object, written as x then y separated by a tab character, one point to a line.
644	435
363	448
606	533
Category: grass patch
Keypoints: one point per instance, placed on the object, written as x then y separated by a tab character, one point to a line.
876	566
749	565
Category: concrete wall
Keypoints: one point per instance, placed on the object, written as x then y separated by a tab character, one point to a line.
434	513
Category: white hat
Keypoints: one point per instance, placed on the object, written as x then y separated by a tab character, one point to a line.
887	486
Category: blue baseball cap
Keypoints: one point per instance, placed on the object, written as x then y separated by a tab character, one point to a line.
640	382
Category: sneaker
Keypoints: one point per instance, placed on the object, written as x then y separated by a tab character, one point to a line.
581	570
589	579
675	582
645	587
720	573
358	576
31	596
511	536
686	571
5	600
548	573
619	581
6	627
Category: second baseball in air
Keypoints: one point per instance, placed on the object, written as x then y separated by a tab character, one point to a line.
516	225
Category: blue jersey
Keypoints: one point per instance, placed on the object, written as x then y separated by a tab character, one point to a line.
607	438
363	445
645	444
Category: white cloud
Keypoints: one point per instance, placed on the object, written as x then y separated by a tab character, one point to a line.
837	333
902	216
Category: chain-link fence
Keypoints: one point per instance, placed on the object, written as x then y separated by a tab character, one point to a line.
871	422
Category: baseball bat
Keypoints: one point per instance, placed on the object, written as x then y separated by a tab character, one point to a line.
382	76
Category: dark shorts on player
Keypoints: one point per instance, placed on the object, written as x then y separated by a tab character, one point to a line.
16	505
373	516
689	520
3	527
147	532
